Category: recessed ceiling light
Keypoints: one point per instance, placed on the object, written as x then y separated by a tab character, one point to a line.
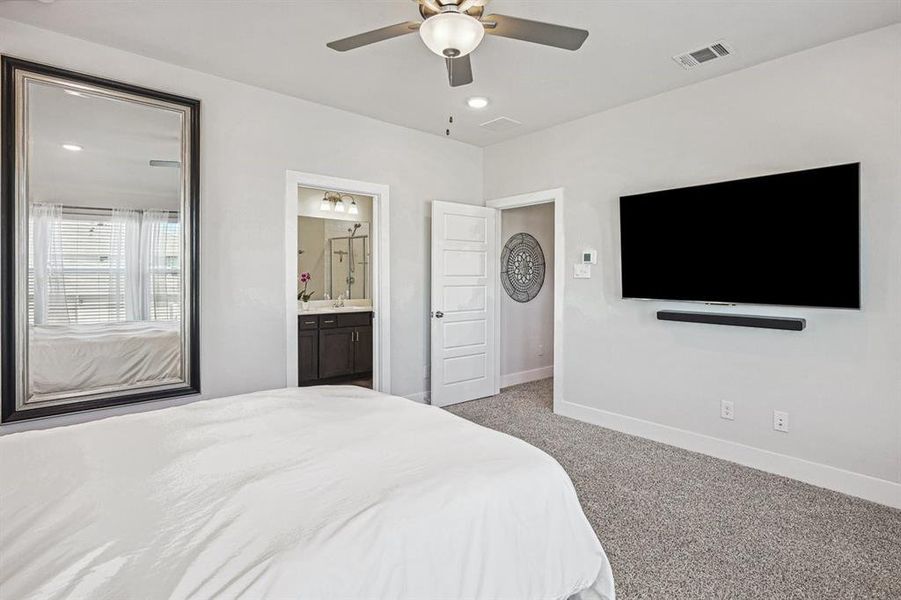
477	102
73	147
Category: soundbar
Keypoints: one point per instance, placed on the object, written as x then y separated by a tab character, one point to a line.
784	323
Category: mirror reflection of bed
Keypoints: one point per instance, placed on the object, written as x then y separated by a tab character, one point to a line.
104	244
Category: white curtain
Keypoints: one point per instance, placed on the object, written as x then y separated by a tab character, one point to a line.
125	264
156	236
47	253
143	261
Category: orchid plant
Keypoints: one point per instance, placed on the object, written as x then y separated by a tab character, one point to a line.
305	296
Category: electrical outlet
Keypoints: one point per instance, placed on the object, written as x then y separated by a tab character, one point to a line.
727	410
780	421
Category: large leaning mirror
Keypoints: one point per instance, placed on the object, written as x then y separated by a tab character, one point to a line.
100	242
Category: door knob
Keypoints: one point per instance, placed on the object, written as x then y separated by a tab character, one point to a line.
439	314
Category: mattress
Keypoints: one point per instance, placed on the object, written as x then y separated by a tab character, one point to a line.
75	358
330	492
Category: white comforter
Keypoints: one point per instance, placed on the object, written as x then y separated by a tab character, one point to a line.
314	493
101	357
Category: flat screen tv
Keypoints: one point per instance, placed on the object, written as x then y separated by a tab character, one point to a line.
790	239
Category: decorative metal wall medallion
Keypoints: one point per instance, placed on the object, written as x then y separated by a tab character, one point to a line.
522	267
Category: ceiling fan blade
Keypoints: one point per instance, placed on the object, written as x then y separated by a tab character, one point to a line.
371	37
538	32
459	71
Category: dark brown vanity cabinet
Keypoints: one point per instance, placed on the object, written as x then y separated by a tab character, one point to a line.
336	352
307	355
333	346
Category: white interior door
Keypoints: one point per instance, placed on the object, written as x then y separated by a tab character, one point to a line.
464	269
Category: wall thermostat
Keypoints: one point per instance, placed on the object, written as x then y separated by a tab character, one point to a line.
589	257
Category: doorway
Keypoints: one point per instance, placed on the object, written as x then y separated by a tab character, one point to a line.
334	288
466	337
526	341
548	361
337	313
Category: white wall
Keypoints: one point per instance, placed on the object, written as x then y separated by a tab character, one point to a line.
527	328
840	380
250	137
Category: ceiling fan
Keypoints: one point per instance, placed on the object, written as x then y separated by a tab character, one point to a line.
454	28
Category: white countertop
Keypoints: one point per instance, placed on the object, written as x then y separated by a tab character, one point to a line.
331	310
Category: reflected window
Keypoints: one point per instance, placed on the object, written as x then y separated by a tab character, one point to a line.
103	265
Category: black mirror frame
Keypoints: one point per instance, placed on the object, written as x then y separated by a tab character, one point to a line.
8	193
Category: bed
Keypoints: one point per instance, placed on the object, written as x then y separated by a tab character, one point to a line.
102	357
332	492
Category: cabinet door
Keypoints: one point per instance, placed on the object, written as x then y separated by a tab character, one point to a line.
363	349
307	355
336	352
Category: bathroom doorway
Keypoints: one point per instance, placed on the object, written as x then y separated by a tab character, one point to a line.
337	309
334	287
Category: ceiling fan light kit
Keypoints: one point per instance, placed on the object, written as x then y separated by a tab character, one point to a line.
452	29
451	34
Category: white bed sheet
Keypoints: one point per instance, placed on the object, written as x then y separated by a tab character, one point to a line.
65	358
317	493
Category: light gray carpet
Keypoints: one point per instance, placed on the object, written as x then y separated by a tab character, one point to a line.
680	525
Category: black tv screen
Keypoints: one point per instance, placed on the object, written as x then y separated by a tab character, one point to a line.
790	239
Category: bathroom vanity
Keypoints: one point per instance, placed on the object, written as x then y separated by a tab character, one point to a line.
334	344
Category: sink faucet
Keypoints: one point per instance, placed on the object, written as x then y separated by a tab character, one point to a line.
339	303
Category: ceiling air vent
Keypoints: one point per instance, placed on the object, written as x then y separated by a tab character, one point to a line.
690	60
501	124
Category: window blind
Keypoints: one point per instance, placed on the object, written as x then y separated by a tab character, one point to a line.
91	269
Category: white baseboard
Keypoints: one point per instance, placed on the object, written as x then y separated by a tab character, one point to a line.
421	397
854	484
527	376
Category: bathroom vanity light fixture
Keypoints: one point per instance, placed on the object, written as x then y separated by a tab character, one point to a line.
336	202
352	209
